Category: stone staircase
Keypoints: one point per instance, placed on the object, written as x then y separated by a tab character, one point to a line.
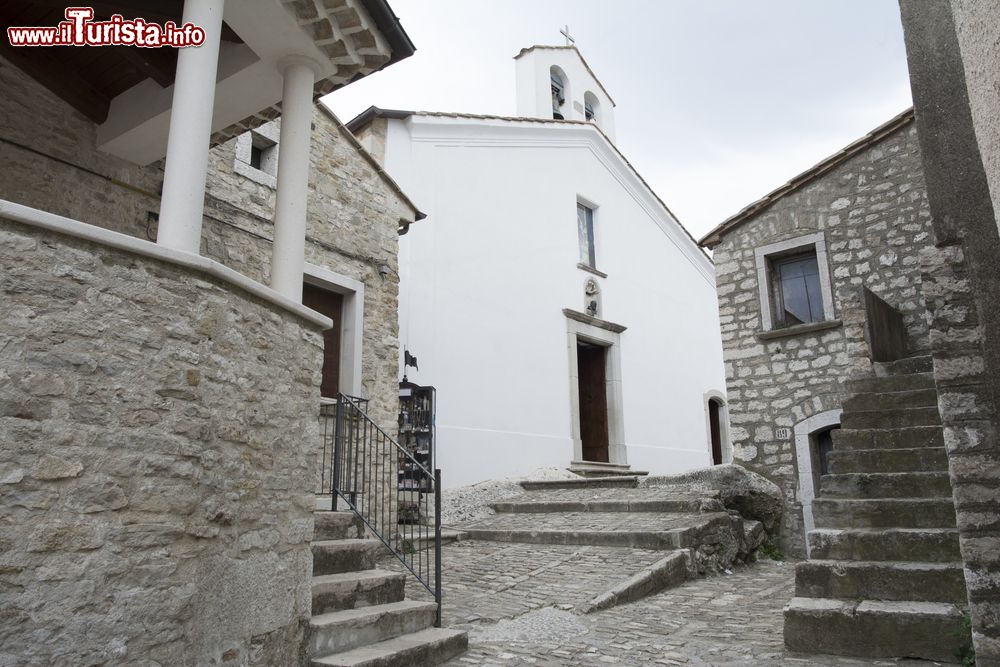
360	617
691	526
885	574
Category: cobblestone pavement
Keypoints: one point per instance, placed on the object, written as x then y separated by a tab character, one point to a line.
489	581
733	619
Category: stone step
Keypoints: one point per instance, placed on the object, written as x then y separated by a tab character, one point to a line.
668	572
921	459
678	504
600	469
351	590
886	485
881	580
665	539
615	529
868	401
425	539
884	513
938	545
581	483
343	630
892	383
893	418
895	438
337	526
432	646
875	628
905	366
335	556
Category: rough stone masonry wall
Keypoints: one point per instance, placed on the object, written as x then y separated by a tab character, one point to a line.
353	213
156	477
51	163
952	55
36	120
352	230
873	212
968	414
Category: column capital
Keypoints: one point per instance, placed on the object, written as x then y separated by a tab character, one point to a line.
295	59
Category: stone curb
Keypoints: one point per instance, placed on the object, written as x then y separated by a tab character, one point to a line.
665	573
671	539
581	483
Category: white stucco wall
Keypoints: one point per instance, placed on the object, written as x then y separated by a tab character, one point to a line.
485	277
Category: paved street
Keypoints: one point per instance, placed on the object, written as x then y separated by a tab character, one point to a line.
516	600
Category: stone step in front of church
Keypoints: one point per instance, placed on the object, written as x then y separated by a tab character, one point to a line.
645	530
885	577
692	528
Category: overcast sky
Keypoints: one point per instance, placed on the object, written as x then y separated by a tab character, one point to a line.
718	101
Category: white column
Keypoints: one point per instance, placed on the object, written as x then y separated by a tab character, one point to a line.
287	255
190	131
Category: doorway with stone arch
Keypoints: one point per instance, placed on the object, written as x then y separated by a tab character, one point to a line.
812	444
717	426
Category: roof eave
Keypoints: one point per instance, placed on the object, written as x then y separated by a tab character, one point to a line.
714	237
364	118
389	25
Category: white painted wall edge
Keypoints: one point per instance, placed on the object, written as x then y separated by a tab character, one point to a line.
81	230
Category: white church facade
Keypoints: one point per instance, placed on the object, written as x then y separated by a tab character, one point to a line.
563	314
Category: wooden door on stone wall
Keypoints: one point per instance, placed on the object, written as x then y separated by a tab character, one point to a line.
591	369
330	304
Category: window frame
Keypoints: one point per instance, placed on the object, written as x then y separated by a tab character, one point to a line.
775	264
765	257
591	260
264	139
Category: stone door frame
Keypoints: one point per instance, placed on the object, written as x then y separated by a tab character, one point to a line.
351	326
727	445
804	431
581	327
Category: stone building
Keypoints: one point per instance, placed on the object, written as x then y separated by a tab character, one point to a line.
161	377
858	220
542	310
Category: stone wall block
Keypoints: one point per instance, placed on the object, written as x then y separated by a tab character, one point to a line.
158	508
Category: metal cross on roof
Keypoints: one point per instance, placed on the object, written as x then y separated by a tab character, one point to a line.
565	33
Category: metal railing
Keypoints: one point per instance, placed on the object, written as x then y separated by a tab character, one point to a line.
397	498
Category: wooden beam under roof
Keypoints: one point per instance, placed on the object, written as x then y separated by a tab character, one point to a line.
160	65
65	83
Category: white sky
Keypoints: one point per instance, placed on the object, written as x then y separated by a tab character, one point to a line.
718	101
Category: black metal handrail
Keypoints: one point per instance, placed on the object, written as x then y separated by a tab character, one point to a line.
396	497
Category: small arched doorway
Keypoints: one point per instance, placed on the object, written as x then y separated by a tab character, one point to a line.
813	442
718	428
715	429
